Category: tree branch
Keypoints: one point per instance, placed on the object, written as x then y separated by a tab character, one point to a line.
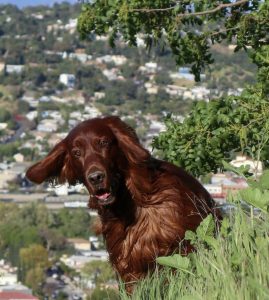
200	13
223	31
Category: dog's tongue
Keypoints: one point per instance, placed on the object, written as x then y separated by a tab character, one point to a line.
103	196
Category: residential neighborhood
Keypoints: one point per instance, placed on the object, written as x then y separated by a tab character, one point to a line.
50	81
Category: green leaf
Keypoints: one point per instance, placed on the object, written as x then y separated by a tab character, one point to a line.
241	171
190	236
189	297
256	197
225	227
175	261
262	183
211	241
206	228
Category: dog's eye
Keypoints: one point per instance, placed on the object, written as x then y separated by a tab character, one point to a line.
76	152
103	143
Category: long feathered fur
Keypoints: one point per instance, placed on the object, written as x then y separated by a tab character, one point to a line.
156	202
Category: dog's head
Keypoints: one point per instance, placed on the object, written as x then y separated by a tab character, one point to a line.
97	153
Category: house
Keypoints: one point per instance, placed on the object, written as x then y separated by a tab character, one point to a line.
53	114
185	73
233	186
215	190
33	103
140	42
98	96
235	92
75	115
37	16
219	178
118	60
2	67
72	123
111	74
48	125
94	242
32	115
3	126
55	27
71	26
8	274
82	57
151	67
38	136
18	157
44	99
79	244
188	95
78	261
14	69
151	88
93	111
68	80
55	138
12	173
224	184
200	93
242	160
174	90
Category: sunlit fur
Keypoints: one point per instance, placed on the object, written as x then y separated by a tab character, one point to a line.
155	201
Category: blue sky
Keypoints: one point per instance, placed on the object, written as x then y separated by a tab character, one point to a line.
23	3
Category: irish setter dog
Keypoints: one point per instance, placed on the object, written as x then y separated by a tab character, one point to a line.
145	205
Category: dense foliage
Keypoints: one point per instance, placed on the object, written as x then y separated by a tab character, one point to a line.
188	27
215	130
34	224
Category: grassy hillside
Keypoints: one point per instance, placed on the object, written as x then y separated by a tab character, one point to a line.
235	268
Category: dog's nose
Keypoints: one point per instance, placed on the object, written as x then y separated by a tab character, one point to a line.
96	177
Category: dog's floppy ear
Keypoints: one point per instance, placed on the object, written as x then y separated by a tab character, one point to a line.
52	166
128	141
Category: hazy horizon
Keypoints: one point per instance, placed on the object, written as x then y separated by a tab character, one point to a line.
34	2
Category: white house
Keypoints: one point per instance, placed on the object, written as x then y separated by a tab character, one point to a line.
47	125
68	80
14	69
174	90
93	111
3	126
214	189
242	160
151	88
18	157
111	74
2	67
82	57
151	67
31	115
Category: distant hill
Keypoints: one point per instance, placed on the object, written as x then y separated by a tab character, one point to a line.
25	3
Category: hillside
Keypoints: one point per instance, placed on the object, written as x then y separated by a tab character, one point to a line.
39	44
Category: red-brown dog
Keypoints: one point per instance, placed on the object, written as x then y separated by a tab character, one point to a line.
145	205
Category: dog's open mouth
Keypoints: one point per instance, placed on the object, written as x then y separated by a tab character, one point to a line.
104	197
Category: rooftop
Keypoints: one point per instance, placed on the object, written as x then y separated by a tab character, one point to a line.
6	295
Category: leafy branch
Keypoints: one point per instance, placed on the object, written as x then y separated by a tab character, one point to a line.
200	13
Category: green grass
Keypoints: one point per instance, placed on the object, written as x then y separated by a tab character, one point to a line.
236	267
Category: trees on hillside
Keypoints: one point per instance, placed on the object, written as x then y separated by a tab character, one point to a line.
213	130
187	27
